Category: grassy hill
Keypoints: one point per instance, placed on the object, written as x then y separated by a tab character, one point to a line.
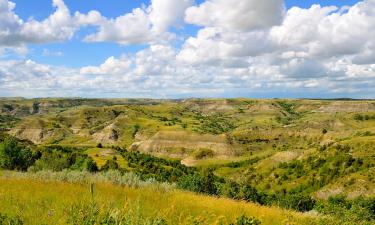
31	200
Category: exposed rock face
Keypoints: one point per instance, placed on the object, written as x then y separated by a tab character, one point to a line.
349	107
109	135
185	143
38	136
209	106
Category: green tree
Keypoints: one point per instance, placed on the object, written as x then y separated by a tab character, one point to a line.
91	165
358	117
54	161
13	156
35	107
110	165
249	193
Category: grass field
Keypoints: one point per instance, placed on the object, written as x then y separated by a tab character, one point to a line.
57	202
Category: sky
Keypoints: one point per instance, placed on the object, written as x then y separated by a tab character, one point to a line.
187	48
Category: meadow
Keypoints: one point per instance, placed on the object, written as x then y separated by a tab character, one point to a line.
49	198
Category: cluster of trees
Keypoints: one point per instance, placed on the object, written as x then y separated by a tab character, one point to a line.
7	121
17	156
147	166
206	182
289	113
361	117
14	156
357	211
215	124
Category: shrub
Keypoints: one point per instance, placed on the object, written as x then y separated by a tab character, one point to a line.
199	182
203	153
298	201
11	220
192	182
358	117
91	165
110	165
231	189
244	220
54	161
249	193
357	211
13	156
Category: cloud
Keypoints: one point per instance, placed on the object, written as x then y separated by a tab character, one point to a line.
328	31
302	47
263	50
141	26
10	23
59	26
237	15
110	66
215	46
131	28
302	68
166	13
47	52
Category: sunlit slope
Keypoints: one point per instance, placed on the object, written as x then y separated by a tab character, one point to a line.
60	202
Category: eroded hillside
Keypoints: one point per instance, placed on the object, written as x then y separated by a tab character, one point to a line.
323	146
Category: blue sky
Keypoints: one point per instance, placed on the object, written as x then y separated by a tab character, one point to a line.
75	53
162	47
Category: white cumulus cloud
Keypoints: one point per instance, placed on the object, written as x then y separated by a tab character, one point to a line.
237	15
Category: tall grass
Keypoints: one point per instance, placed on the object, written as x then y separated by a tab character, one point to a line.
83	177
57	198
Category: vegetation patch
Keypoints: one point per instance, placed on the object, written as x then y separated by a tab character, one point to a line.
203	153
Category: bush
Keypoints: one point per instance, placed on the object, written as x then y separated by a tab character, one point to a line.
192	182
54	161
5	219
299	202
110	165
199	182
243	220
13	156
358	211
358	117
231	189
203	153
249	193
91	165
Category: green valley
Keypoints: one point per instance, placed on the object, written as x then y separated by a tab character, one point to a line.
273	160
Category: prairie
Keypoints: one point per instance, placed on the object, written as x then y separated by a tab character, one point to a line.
58	202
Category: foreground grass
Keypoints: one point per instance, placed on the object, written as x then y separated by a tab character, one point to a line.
58	202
